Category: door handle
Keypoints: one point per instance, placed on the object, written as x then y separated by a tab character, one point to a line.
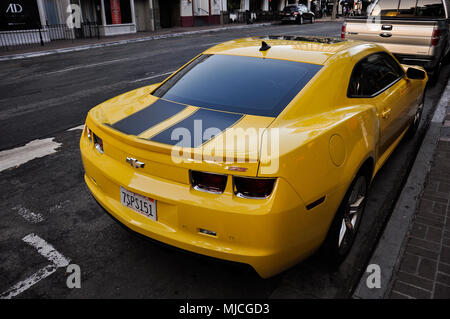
386	113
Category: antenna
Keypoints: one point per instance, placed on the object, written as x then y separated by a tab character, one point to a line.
264	46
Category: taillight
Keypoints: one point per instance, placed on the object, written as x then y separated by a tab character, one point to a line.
89	134
250	187
295	13
436	37
208	182
344	27
98	143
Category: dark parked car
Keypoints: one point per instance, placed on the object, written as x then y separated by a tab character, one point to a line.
297	13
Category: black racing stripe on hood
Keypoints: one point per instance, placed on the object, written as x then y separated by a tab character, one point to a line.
144	119
190	131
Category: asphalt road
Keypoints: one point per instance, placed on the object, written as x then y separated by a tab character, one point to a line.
43	97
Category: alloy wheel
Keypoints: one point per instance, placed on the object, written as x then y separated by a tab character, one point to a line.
352	215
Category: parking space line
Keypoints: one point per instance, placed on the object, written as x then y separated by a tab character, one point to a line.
151	77
46	250
79	127
34	149
29	215
24	285
84	66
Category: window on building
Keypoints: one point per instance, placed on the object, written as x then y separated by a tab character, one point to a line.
19	16
51	12
118	11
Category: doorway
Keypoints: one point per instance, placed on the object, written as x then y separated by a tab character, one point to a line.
169	13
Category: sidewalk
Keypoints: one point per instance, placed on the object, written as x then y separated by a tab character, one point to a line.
83	44
413	253
424	266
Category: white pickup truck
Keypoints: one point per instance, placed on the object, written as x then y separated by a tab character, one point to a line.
415	31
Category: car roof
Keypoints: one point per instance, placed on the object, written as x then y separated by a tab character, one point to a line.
308	49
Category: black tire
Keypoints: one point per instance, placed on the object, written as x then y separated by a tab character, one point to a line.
416	120
313	19
345	225
300	20
435	72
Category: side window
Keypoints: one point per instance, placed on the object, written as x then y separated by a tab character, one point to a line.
407	8
430	8
373	74
385	8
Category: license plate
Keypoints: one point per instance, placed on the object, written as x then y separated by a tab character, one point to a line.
143	205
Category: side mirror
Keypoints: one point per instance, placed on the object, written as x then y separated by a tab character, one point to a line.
415	74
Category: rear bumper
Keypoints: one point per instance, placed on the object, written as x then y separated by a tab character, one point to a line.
288	18
270	235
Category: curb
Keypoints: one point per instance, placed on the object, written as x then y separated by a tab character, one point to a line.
390	246
136	40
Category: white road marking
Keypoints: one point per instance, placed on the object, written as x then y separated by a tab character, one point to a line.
20	155
86	66
209	44
79	127
58	206
29	215
151	77
45	249
24	285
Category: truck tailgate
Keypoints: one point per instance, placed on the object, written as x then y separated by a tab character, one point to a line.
398	36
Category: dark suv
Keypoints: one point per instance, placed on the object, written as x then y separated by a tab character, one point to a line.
296	13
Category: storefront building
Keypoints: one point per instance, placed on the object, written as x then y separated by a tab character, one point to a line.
34	21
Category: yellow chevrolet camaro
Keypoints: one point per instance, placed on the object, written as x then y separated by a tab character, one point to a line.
259	150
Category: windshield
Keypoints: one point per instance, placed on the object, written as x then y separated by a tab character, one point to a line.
409	8
239	84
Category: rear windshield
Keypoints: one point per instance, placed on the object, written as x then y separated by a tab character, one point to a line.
409	8
289	9
247	85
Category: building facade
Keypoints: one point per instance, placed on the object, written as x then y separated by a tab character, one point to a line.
36	20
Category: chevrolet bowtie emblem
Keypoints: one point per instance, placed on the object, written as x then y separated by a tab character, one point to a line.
135	163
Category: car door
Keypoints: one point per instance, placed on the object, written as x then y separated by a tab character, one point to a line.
383	84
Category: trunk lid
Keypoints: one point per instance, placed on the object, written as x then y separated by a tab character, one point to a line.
172	138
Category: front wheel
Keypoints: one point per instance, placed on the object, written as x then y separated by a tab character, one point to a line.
345	225
300	20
